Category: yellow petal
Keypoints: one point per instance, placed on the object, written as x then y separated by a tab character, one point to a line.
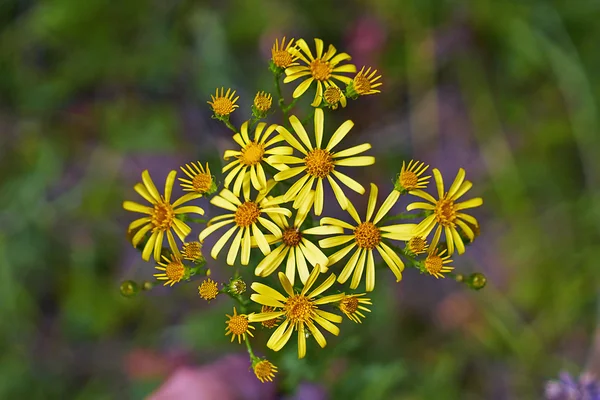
303	87
386	206
358	270
300	131
169	185
301	341
339	134
319	122
268	291
218	246
350	265
332	221
370	275
458	181
234	248
475	202
360	161
286	284
372	202
351	183
439	182
340	254
142	191
150	185
335	241
135	207
338	192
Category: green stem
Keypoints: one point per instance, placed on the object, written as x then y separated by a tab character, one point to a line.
405	216
229	125
253	358
186	218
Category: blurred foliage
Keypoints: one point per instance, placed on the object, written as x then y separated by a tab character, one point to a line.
93	92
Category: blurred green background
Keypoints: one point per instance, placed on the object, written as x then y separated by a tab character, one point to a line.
93	92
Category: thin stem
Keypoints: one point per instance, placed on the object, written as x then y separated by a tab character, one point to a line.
229	125
405	216
249	348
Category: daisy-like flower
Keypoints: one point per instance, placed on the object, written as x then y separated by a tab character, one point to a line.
296	247
208	290
417	245
366	236
364	83
282	56
263	101
223	104
299	310
237	325
410	177
245	217
249	159
192	251
161	217
264	370
319	163
200	179
323	68
333	96
446	212
435	263
352	303
173	270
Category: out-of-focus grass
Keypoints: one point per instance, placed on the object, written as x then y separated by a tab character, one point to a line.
92	93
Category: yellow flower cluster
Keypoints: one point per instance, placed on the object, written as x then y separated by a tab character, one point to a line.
268	210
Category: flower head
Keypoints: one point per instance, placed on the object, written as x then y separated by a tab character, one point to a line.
263	101
351	305
161	217
174	270
319	163
200	180
192	251
223	104
410	177
364	83
237	325
295	246
446	212
435	263
282	56
300	311
208	289
264	370
367	235
237	286
245	216
333	96
417	245
252	155
322	68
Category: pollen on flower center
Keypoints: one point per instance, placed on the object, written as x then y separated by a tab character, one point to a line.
291	237
223	106
202	182
247	214
409	180
444	212
238	324
282	58
362	84
175	270
367	235
320	70
417	244
162	216
349	305
433	264
299	308
332	95
252	154
319	163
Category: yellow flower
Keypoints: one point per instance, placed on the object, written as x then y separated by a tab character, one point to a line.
410	177
322	68
300	311
245	217
282	55
161	216
237	325
263	101
319	163
192	251
201	181
174	270
367	236
223	104
417	245
334	96
351	304
365	82
209	289
446	212
250	158
297	248
435	264
264	370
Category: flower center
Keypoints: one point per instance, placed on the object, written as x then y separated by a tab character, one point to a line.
409	180
208	290
263	102
362	84
175	271
247	214
416	244
192	251
252	154
282	58
291	237
444	212
238	324
299	308
264	370
367	235
222	106
320	69
332	95
162	216
349	305
433	264
202	182
319	163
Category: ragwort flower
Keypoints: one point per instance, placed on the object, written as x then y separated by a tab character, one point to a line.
237	325
200	179
174	270
323	68
319	163
161	217
264	370
299	310
282	55
351	305
223	104
446	212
